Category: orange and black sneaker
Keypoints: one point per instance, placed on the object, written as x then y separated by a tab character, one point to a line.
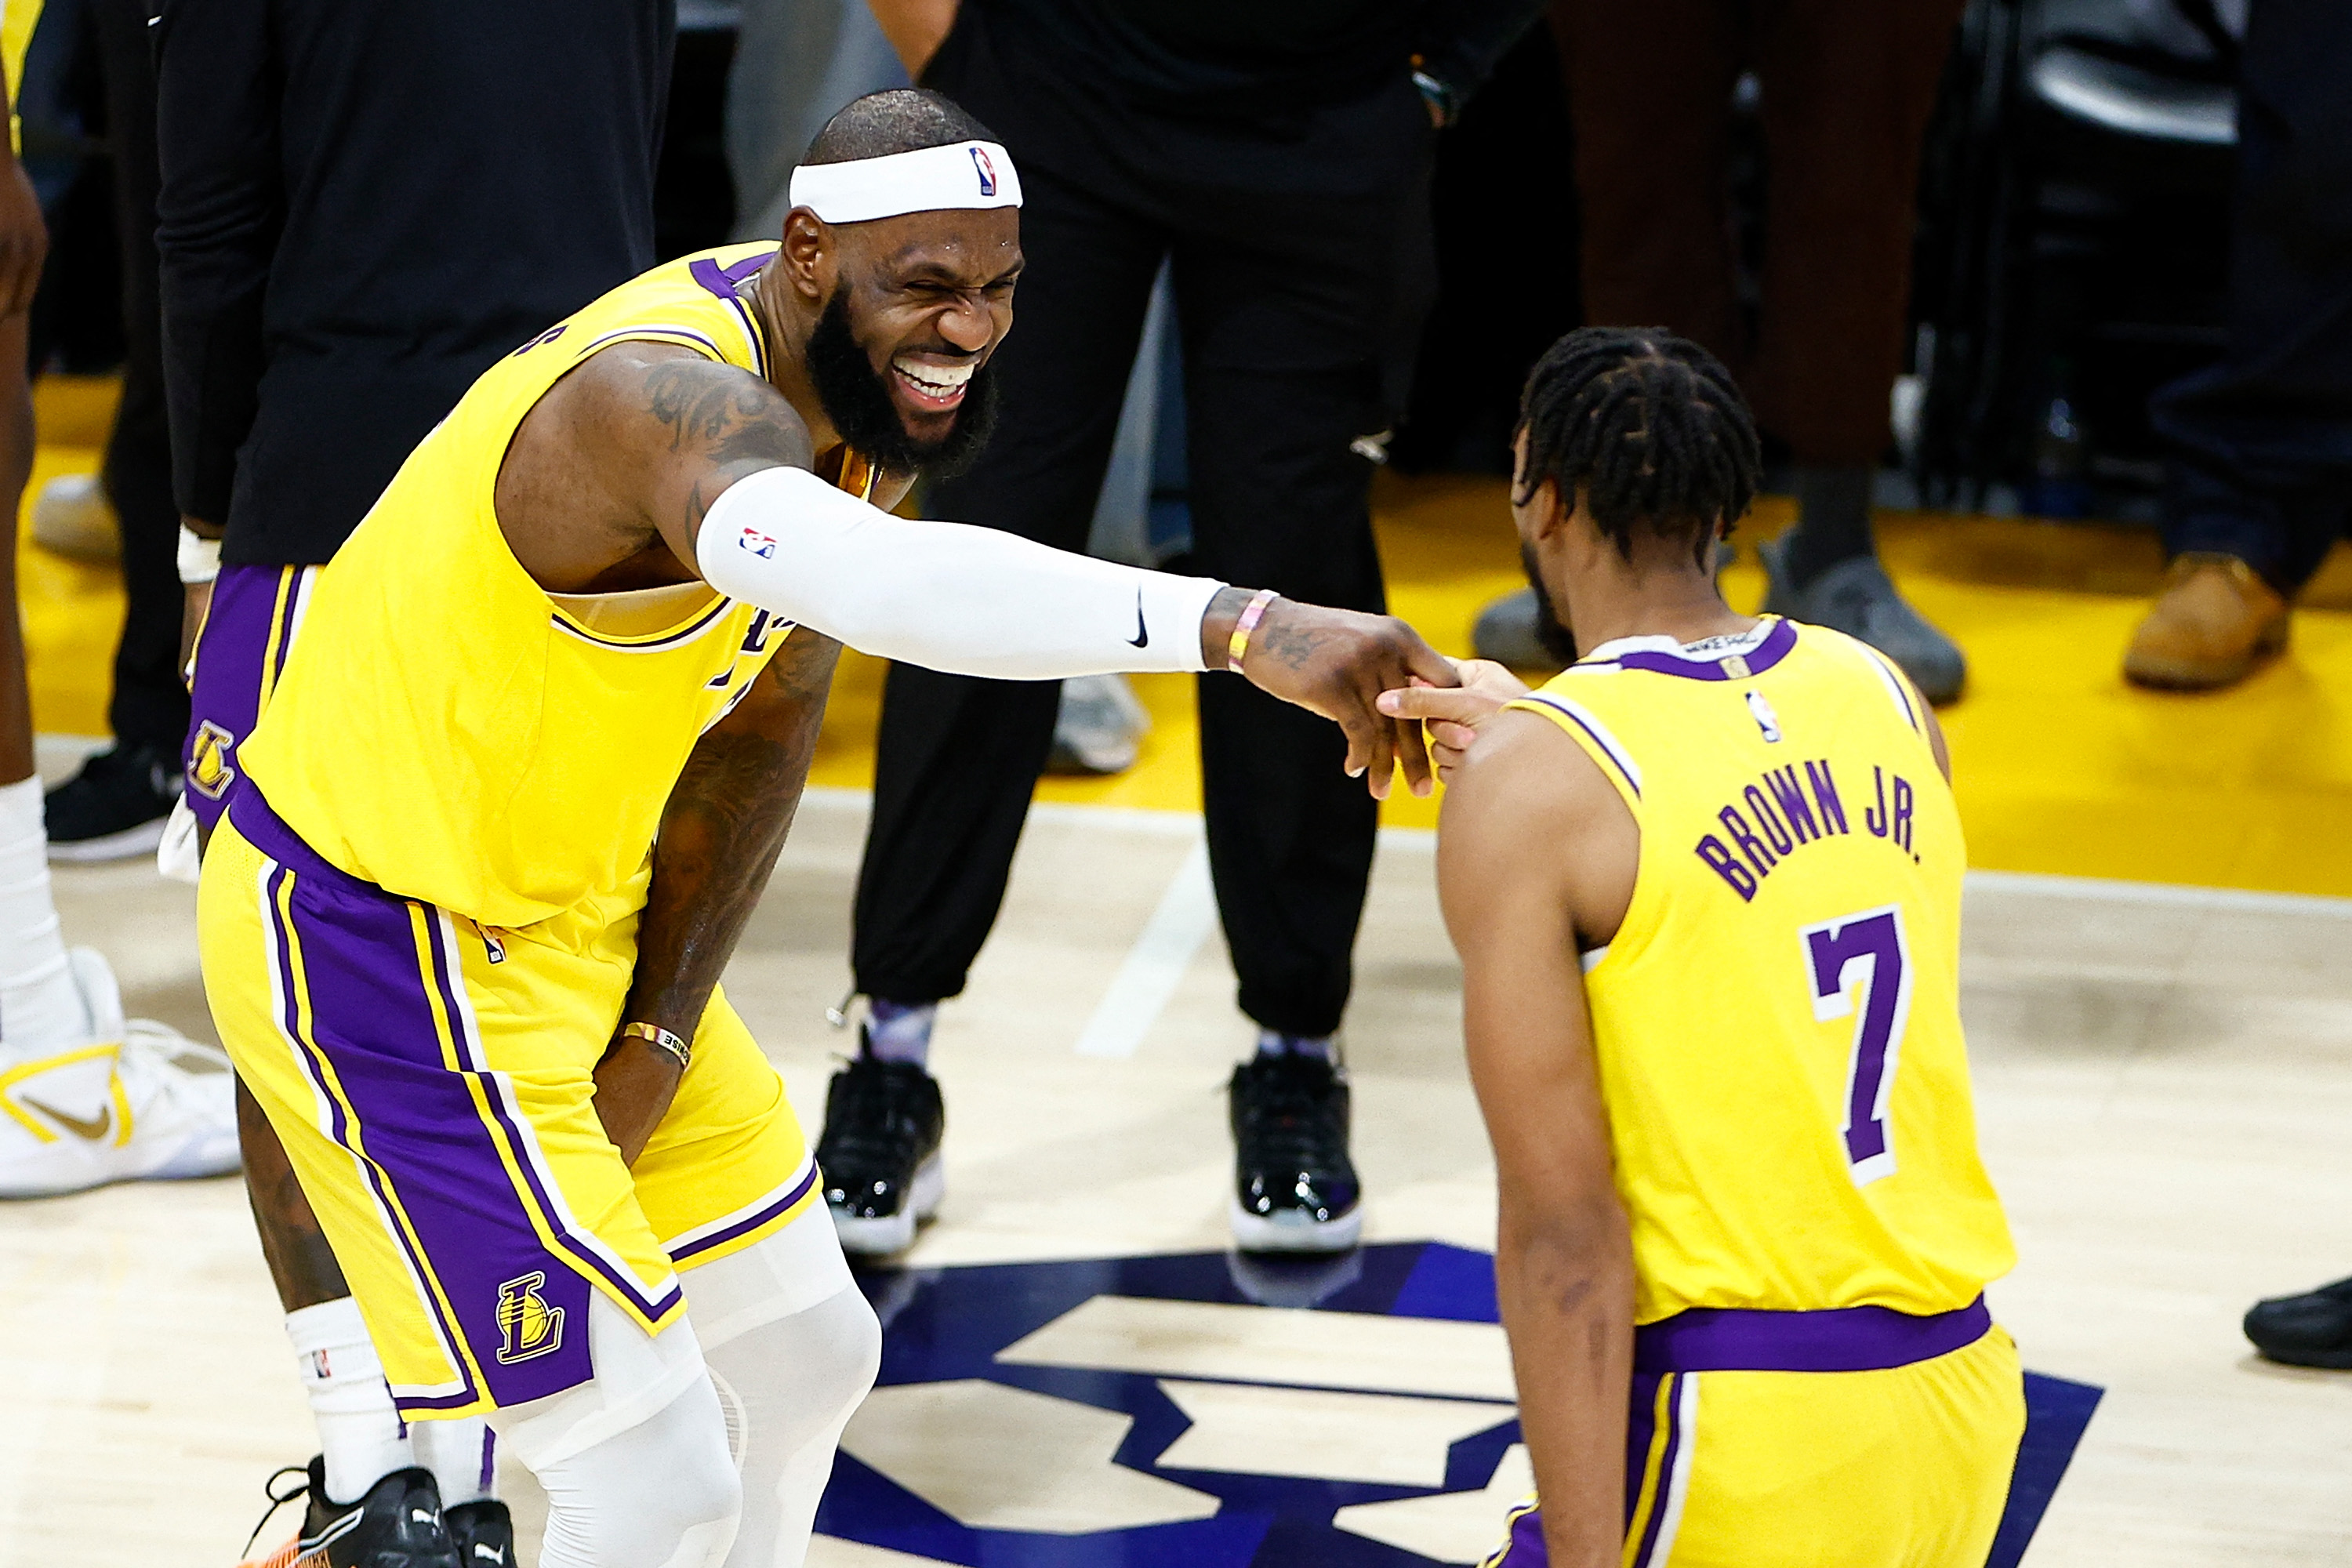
397	1525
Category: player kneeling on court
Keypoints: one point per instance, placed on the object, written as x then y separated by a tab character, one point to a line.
1707	889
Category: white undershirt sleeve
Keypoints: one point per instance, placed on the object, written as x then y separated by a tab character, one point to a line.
945	596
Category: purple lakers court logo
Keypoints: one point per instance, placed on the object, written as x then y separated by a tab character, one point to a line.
528	1326
1214	1411
987	169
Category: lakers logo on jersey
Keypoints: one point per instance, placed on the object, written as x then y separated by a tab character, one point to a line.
528	1326
209	770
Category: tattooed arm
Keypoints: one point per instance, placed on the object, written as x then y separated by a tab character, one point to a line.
720	832
609	480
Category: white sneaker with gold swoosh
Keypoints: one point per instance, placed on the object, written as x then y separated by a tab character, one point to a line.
129	1101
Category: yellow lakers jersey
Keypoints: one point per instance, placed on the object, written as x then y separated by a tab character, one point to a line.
447	730
1776	1021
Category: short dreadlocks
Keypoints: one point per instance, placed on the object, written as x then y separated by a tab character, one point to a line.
1650	426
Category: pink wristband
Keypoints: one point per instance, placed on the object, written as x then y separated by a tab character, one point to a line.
1252	613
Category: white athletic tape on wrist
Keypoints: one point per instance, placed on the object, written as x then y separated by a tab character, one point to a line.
929	179
946	595
199	557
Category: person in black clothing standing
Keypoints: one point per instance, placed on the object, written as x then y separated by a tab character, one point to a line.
115	806
1278	156
363	206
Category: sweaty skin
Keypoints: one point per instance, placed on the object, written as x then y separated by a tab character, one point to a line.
606	486
1537	855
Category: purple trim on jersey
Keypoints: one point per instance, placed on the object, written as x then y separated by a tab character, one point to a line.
765	1214
1525	1547
1766	654
1608	744
1662	1496
721	281
1895	683
1842	1339
225	689
371	1020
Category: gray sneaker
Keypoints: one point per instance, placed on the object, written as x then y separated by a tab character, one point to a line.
1858	598
1100	727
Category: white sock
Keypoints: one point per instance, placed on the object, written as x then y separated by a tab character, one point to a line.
459	1454
40	1009
358	1431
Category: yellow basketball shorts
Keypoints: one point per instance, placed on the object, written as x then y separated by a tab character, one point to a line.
432	1081
1903	1466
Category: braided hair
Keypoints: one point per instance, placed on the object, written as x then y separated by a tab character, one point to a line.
1652	427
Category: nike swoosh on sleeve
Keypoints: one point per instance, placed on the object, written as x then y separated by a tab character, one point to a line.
1142	638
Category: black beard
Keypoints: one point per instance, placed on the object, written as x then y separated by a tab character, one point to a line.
859	403
1551	626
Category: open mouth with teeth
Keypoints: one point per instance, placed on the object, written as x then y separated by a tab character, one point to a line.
934	388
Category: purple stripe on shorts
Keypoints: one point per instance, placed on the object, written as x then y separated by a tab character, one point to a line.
1768	653
1658	1497
297	588
307	1050
372	1020
1525	1548
1842	1339
766	1212
226	693
446	977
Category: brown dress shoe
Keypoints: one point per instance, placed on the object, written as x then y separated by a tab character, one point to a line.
2214	622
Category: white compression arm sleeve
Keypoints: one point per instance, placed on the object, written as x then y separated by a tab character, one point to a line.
946	595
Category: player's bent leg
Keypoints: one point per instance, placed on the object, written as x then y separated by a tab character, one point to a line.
635	1462
792	1348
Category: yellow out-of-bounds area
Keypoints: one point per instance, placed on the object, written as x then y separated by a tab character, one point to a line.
2061	767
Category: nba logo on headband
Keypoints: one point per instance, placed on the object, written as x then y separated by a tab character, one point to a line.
929	179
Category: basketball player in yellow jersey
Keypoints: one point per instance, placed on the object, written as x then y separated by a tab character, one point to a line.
526	768
1705	885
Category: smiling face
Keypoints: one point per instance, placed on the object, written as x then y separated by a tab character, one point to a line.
914	307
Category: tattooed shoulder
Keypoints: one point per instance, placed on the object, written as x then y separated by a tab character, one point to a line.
725	413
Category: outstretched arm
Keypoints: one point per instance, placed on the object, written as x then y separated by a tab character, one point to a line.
657	460
1508	864
720	833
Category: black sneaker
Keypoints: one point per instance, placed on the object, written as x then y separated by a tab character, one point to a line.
482	1533
116	806
397	1525
1295	1189
881	1152
2311	1329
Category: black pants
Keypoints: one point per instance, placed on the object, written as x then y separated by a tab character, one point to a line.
2262	465
150	706
1288	300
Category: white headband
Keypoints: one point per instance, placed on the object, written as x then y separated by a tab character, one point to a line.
929	179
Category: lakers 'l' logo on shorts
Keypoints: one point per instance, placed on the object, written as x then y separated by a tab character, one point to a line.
209	770
528	1326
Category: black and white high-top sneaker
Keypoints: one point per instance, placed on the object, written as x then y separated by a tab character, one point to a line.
397	1525
1295	1188
881	1152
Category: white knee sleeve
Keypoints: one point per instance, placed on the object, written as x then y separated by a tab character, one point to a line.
792	1348
636	1463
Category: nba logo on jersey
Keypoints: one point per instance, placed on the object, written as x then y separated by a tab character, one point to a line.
1766	719
528	1326
987	171
763	545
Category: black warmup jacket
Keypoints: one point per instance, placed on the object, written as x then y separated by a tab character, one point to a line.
364	203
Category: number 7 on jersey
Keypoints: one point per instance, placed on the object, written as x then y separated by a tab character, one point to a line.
1864	953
